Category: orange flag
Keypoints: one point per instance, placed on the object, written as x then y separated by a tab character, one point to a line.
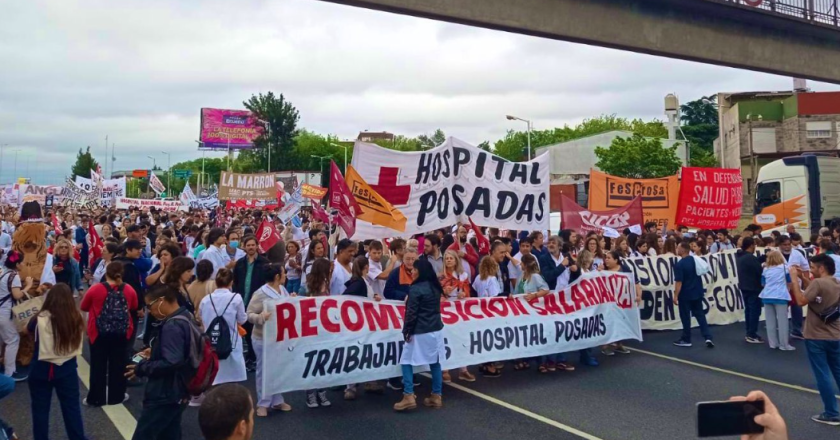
375	209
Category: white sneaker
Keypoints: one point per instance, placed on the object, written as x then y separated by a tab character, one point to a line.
322	398
125	399
196	401
311	400
788	348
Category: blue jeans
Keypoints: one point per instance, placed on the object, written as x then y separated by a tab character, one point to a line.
408	379
825	363
689	307
752	311
796	320
293	286
66	387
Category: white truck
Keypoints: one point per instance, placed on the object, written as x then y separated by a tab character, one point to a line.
800	190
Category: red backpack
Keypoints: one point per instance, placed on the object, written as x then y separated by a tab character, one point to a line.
202	359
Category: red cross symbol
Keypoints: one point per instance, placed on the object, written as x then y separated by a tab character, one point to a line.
387	187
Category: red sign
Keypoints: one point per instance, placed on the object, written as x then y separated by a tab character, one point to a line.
710	198
266	205
754	3
583	221
140	174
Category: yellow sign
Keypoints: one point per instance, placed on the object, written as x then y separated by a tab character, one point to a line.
659	196
376	209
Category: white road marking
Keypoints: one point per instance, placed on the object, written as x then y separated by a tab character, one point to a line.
118	414
522	411
732	373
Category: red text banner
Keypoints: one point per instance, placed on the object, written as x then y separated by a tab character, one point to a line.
710	198
583	221
313	343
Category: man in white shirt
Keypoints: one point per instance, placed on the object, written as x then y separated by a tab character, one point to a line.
376	275
723	243
342	267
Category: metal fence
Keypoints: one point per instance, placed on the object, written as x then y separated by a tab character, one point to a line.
824	12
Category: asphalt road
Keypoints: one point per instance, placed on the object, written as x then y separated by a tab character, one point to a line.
649	394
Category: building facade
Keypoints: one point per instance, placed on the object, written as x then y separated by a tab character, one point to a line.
757	128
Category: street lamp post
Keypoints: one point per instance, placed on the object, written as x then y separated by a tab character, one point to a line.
345	155
169	171
514	118
321	165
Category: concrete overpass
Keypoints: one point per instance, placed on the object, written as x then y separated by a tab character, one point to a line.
798	38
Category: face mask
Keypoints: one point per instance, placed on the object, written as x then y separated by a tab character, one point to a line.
234	244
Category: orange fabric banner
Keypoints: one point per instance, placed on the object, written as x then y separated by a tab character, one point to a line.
659	196
375	209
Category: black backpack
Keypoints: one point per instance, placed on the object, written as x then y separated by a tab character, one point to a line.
219	332
113	318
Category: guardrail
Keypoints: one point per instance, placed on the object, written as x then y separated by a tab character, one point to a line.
823	12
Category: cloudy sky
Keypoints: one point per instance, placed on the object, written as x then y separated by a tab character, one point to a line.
139	71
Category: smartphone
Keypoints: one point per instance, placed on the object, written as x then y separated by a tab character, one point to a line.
718	419
138	358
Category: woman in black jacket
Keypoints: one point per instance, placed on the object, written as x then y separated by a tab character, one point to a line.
422	330
358	284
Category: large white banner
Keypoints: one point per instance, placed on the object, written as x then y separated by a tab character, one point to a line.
145	204
723	302
451	183
321	342
111	188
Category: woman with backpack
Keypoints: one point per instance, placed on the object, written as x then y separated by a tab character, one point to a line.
58	329
109	306
11	291
222	312
258	315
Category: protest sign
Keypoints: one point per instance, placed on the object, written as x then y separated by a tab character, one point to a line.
293	204
723	302
39	193
77	197
710	198
313	192
659	196
145	204
583	221
252	204
155	184
455	181
111	188
228	129
267	236
247	186
322	342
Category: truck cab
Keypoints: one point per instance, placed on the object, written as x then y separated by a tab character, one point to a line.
800	190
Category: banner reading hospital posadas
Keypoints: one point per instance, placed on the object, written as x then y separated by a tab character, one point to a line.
313	343
453	182
659	196
710	198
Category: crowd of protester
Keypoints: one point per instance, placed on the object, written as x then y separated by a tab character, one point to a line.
164	278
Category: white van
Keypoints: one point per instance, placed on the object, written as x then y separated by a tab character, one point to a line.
801	190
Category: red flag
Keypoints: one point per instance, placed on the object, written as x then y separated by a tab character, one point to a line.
318	213
267	236
342	200
56	226
95	245
483	242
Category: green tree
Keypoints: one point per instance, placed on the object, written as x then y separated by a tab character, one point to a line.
401	143
432	141
213	168
84	163
702	158
485	146
700	111
638	157
281	117
514	145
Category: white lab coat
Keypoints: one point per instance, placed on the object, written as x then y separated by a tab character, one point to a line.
231	369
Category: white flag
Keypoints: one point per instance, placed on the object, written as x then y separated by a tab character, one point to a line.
156	184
